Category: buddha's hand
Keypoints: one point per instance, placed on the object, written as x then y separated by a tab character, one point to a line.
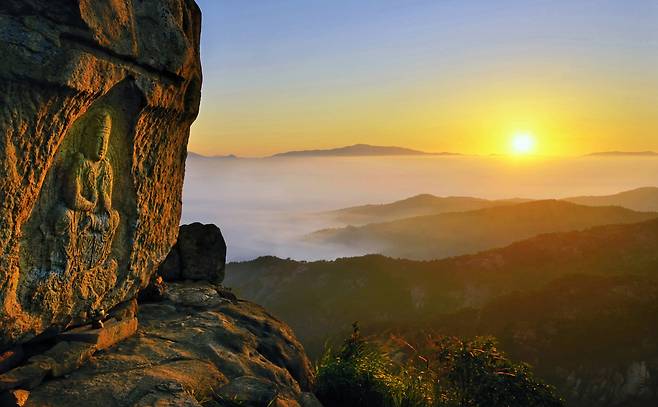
99	221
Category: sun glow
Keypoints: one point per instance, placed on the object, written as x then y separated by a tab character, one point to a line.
523	143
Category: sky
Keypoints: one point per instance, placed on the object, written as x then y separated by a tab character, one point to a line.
435	75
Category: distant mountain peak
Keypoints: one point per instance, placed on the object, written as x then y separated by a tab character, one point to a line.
357	150
623	153
193	155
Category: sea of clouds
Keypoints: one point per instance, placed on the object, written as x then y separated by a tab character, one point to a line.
265	206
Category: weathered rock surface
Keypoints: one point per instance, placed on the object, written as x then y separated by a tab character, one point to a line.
58	357
199	254
193	348
96	101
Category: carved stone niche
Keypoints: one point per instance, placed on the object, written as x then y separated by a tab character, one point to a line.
76	245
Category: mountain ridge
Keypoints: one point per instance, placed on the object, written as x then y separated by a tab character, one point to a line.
197	156
430	285
365	150
540	296
417	205
456	233
643	199
638	199
357	150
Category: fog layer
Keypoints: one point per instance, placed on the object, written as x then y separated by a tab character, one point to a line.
266	206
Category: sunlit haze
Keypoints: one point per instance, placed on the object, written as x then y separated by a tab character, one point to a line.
431	75
264	206
523	143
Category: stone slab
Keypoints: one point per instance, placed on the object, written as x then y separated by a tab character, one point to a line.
68	356
112	332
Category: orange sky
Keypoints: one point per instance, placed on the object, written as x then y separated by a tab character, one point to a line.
436	77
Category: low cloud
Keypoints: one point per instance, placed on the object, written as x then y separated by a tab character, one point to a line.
267	206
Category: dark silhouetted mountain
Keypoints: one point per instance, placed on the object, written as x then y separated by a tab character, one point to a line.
562	301
377	288
456	233
357	150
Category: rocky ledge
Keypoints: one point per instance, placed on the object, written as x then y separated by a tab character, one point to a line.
197	346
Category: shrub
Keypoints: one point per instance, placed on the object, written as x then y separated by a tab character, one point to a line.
358	374
476	374
471	373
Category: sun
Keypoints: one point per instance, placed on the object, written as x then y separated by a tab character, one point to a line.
523	143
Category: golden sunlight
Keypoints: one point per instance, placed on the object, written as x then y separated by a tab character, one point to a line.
523	143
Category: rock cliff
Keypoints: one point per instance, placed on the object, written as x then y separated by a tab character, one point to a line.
195	347
96	98
196	344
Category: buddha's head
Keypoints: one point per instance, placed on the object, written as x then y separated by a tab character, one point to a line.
98	135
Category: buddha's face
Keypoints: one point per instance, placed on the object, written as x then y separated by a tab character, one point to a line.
100	137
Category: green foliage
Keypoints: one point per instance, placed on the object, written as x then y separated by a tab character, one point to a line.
359	374
476	374
540	298
458	374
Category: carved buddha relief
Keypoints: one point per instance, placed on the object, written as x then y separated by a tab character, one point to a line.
85	221
76	245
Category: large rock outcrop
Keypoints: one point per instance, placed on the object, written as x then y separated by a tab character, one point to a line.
199	254
196	347
96	99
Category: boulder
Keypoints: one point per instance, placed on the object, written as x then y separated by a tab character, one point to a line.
97	98
192	349
199	254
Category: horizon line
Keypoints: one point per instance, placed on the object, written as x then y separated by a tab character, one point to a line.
415	152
